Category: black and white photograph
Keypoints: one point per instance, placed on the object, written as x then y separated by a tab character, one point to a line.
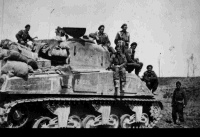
100	64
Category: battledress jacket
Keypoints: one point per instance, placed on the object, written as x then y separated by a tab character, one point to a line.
148	76
118	59
124	36
103	38
179	95
22	35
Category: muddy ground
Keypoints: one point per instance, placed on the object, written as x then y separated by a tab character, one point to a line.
192	110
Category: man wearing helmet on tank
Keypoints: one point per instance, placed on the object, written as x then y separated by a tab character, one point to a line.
102	38
123	36
117	64
150	78
178	103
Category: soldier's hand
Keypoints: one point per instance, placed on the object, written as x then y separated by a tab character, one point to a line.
22	42
117	66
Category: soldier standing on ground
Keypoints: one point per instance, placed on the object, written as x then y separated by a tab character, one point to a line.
178	103
123	37
132	62
150	78
102	38
23	36
118	62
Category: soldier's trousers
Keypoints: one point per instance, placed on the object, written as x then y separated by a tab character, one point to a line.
177	109
119	74
137	66
153	85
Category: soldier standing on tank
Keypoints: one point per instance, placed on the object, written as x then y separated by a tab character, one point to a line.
102	38
23	36
118	62
178	103
150	78
132	62
124	36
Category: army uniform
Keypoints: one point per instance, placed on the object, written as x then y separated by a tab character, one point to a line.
23	35
133	63
178	102
102	39
125	37
151	80
119	72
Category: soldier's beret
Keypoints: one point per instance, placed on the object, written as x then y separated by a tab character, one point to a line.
123	25
134	43
101	26
27	26
178	82
149	66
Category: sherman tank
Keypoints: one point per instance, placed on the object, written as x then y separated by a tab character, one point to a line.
79	93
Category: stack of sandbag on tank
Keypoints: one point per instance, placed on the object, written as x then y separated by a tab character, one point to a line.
14	63
52	49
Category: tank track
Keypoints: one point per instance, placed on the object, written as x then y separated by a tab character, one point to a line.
154	112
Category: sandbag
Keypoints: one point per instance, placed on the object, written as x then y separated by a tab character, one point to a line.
64	45
59	52
3	53
15	68
16	56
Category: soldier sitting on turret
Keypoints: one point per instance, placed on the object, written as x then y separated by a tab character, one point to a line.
132	62
102	38
118	62
150	78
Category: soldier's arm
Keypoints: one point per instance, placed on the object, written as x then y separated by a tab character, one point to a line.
116	38
107	41
145	77
153	76
184	97
124	60
129	59
111	61
93	35
128	40
173	97
30	38
19	35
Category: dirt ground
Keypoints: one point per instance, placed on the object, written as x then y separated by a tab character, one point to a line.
192	110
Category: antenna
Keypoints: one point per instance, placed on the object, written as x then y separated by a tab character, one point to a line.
2	20
50	21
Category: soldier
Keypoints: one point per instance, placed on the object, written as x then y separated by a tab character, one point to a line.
124	36
23	36
118	62
132	62
150	78
102	38
178	103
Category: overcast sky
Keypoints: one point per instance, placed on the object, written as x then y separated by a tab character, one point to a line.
165	29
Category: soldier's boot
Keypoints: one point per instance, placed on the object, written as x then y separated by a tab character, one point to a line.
117	87
123	86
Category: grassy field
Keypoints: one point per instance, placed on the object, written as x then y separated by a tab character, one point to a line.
192	110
